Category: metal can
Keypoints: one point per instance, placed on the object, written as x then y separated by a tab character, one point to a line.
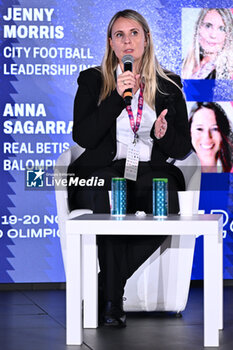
119	196
160	197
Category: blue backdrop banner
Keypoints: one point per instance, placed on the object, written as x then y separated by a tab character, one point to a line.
45	44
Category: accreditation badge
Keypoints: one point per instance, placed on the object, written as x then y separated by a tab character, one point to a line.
131	164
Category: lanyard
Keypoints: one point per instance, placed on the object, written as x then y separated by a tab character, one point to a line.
136	126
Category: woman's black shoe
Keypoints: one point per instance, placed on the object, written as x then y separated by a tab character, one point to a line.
114	315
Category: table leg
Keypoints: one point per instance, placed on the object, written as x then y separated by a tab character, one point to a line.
74	332
220	257
90	282
212	289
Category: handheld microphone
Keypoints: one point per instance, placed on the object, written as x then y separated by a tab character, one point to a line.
128	61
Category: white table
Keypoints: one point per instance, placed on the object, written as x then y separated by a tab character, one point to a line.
209	225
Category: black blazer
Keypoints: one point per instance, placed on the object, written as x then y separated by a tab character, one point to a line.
95	126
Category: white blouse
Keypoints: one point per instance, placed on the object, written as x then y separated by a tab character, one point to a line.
125	135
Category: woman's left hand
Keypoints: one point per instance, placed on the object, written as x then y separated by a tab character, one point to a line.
161	125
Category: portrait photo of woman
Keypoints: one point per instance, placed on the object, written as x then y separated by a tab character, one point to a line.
210	55
211	136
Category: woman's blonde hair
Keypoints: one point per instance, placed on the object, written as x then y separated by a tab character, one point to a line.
149	65
224	61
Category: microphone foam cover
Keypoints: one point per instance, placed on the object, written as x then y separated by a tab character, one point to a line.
127	59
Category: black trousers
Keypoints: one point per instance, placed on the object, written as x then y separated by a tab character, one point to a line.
120	256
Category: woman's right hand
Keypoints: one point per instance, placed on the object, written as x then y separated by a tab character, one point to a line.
127	80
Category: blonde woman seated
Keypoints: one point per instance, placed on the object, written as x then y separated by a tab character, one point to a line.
154	126
211	54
